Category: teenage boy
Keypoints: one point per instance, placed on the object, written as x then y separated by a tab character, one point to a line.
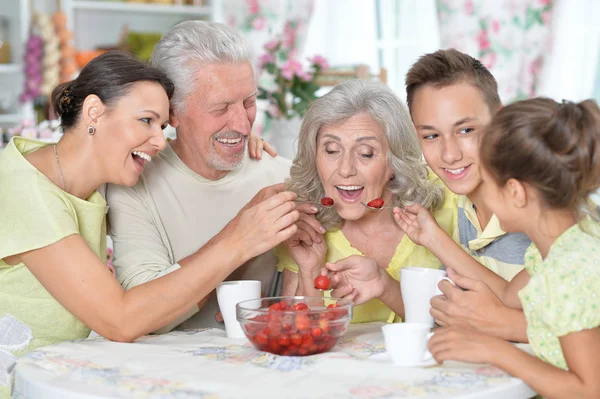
451	96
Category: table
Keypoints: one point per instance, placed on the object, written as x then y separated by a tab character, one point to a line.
206	364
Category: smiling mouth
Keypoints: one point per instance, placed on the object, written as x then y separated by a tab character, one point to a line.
229	142
350	192
457	171
140	157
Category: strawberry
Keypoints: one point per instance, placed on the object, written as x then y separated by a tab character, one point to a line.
376	203
326	201
300	306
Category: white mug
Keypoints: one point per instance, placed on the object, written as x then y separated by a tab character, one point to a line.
406	343
418	286
229	294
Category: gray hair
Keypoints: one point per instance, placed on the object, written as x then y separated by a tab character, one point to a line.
192	44
410	183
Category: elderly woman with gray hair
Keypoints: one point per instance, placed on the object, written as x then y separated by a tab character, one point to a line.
357	143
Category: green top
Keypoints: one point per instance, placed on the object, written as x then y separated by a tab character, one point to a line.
563	294
35	213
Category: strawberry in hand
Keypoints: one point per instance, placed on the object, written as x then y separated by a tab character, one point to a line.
322	282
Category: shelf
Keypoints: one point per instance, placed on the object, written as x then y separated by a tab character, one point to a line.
148	8
10	68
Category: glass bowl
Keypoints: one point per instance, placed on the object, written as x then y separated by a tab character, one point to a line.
294	325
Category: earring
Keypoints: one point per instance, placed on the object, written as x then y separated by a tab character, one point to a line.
91	130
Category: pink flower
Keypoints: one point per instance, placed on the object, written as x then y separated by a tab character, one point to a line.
469	7
253	7
272	45
546	17
306	76
545	2
320	61
482	38
495	26
489	60
258	23
290	68
265	59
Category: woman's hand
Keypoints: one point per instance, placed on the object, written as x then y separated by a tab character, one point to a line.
356	278
451	343
307	246
256	145
417	223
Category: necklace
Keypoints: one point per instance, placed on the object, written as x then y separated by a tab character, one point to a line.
62	178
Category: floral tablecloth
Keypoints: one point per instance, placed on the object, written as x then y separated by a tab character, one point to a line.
206	364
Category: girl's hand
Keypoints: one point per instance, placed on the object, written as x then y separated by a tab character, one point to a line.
451	343
356	278
256	145
417	223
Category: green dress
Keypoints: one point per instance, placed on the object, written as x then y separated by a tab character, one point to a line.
563	294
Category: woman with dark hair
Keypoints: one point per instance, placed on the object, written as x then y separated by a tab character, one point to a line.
55	285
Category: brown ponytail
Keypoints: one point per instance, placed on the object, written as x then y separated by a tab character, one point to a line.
555	147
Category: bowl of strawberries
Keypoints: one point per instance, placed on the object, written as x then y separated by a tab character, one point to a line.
294	325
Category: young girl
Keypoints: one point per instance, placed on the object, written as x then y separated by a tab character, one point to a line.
541	163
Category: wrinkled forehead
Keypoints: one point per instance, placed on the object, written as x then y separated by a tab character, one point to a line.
224	82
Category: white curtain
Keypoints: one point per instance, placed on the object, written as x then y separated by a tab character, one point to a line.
344	32
379	33
570	71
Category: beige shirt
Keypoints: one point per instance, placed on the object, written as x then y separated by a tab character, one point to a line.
172	212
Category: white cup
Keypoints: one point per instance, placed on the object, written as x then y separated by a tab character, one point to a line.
229	294
419	285
406	343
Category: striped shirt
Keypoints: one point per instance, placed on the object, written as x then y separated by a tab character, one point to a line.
501	252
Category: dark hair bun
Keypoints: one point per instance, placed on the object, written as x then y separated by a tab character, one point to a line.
555	147
108	76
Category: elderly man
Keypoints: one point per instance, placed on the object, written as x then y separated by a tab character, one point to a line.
204	177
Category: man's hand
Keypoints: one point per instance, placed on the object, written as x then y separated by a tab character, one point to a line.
476	308
356	278
264	194
259	228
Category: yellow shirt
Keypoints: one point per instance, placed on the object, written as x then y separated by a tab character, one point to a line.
503	253
35	213
407	254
